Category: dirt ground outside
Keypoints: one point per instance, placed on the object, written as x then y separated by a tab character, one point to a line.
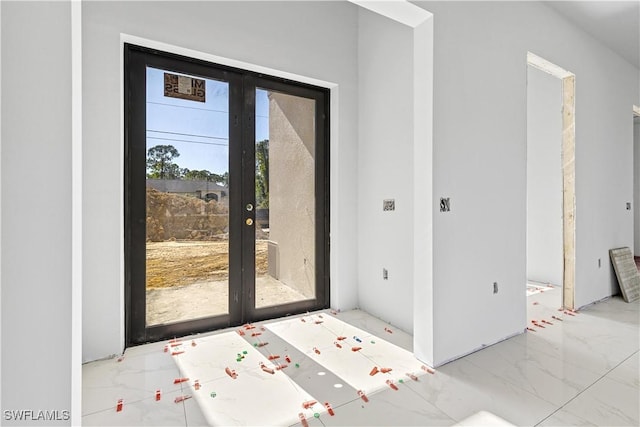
180	263
189	280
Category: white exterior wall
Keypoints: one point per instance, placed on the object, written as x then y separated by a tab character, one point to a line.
544	178
36	270
479	161
259	33
292	196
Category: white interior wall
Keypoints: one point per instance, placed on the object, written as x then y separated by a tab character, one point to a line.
544	177
423	286
257	33
636	184
479	150
36	208
1	203
385	168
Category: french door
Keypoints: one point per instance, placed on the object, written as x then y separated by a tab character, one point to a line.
226	196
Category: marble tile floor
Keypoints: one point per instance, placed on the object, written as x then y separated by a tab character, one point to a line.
580	370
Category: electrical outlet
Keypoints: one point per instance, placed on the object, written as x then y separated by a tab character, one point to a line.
495	287
389	205
385	274
445	204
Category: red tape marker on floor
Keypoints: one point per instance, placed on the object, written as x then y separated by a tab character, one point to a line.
427	369
329	408
309	403
266	369
412	376
231	372
303	420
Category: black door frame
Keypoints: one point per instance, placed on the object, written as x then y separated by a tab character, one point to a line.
242	85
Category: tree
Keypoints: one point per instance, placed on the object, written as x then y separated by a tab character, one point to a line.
203	175
262	174
160	162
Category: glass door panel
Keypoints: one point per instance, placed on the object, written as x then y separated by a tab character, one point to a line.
226	196
187	197
285	231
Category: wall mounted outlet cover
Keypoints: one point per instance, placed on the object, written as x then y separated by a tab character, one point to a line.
389	205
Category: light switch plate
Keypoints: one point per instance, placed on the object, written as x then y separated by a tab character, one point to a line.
445	204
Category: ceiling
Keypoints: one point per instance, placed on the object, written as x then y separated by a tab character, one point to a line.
615	23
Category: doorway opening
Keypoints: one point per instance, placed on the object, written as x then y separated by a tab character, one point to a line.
226	196
636	182
550	178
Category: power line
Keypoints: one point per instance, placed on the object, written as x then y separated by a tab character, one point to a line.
185	106
188	134
190	142
196	108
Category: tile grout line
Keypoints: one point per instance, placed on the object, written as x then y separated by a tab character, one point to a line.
433	404
306	356
513	383
587	388
355	399
184	407
111	408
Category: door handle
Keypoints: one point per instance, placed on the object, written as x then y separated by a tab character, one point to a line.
249	221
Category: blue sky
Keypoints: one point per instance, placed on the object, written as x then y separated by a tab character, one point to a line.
199	131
